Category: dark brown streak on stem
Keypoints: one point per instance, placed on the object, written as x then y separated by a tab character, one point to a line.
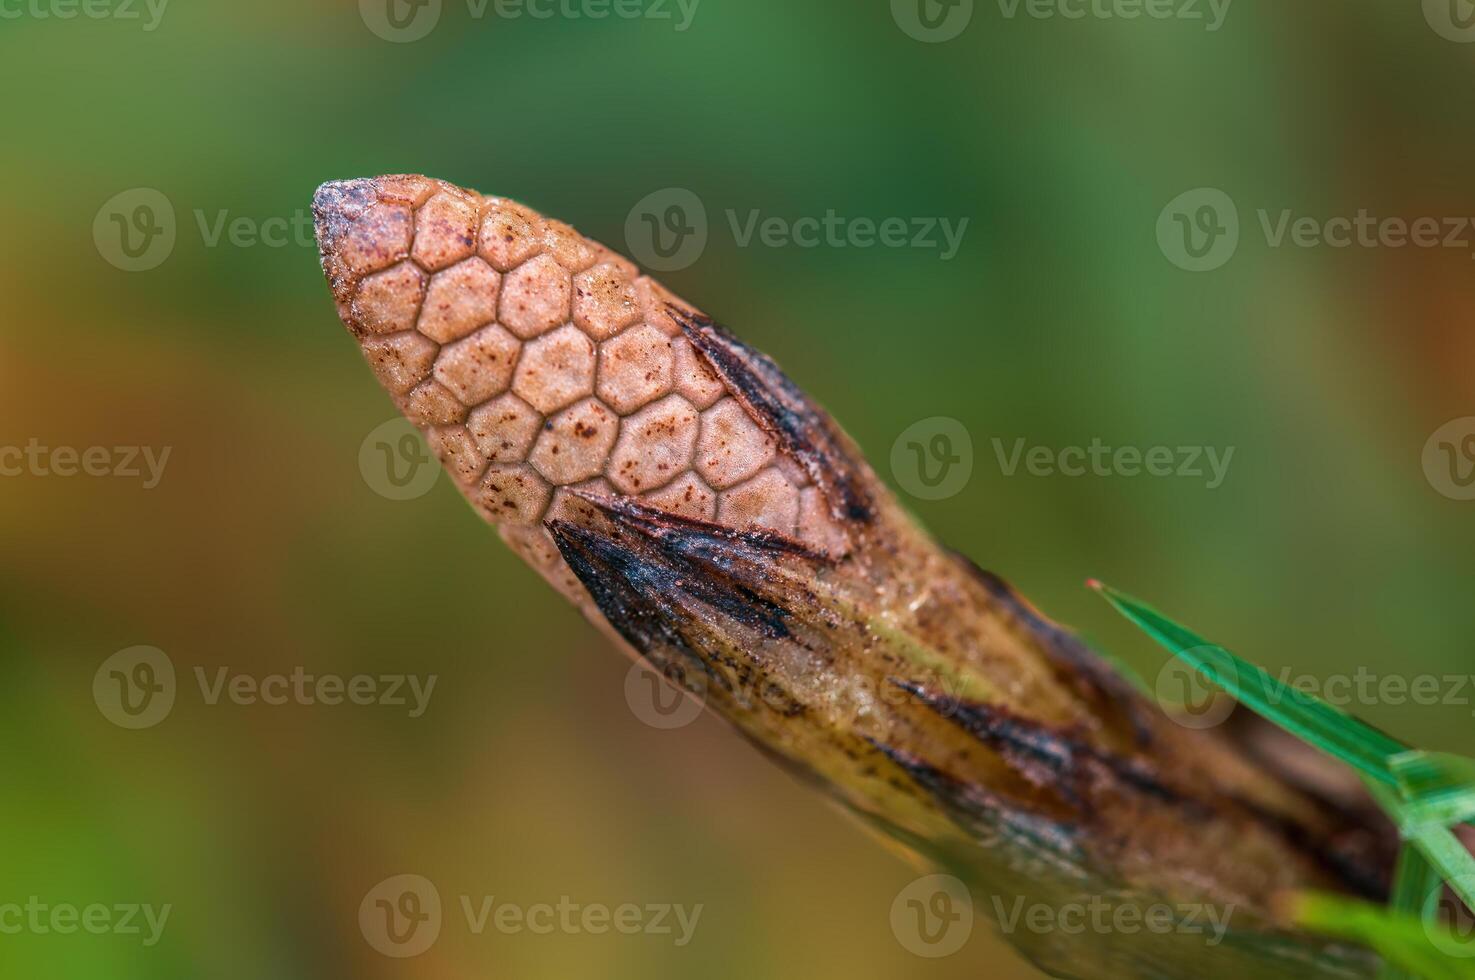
1049	758
646	610
1074	663
751	571
802	429
1357	857
627	595
1081	775
636	580
982	812
690	536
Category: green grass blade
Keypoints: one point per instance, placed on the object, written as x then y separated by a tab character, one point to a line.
1323	725
1437	788
1414	880
1444	850
1423	792
1411	947
1435	844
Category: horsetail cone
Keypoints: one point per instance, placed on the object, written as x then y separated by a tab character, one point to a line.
694	503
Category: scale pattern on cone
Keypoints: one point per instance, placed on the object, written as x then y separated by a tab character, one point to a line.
711	518
534	360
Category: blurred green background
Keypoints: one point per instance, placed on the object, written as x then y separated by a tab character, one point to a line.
1329	546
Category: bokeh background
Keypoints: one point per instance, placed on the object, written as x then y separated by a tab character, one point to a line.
1328	547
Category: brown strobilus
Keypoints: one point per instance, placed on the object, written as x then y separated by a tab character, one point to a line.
709	517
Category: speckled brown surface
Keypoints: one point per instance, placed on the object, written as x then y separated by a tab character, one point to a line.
535	359
709	516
